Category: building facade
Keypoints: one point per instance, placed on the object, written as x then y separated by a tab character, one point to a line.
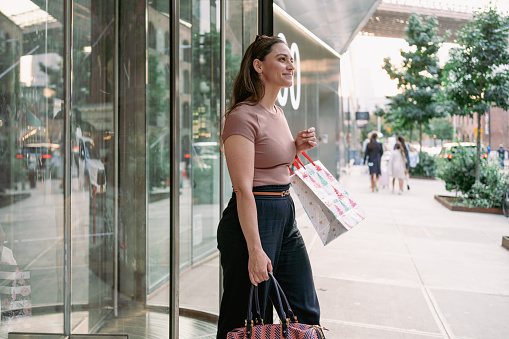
112	182
493	133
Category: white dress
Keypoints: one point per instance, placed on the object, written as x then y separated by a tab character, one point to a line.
397	165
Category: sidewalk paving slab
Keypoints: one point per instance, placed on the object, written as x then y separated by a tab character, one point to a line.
412	269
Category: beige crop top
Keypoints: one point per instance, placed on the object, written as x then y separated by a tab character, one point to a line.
274	143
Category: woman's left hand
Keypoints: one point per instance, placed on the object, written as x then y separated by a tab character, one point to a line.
305	140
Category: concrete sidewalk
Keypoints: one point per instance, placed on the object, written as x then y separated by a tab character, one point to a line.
412	269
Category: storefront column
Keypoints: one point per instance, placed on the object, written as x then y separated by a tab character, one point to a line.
132	151
265	17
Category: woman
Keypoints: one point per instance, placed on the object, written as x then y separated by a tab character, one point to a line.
374	153
407	164
257	233
397	167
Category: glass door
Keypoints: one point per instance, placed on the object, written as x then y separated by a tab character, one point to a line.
93	168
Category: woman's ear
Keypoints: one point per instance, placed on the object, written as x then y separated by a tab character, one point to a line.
257	65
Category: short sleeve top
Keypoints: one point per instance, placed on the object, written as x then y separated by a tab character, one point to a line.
274	144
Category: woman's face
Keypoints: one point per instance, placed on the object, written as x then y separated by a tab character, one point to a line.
277	68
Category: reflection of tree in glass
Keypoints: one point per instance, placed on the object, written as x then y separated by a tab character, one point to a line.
205	83
10	102
158	122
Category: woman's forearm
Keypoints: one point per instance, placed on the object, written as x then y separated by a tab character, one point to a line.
248	217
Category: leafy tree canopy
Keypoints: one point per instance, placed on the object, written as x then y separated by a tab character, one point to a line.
477	74
419	75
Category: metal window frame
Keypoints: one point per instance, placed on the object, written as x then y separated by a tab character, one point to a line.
265	17
174	112
67	253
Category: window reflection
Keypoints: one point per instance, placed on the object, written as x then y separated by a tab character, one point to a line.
31	166
199	211
92	164
158	155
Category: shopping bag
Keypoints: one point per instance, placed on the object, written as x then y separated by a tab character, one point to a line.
330	208
288	328
15	293
384	179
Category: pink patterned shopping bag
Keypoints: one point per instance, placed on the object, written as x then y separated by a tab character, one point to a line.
330	208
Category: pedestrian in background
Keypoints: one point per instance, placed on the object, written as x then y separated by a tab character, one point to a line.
501	155
401	140
397	166
373	157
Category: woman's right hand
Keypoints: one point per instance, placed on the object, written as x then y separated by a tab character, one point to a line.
258	266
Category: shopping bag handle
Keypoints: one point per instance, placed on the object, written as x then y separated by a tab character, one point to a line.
279	301
282	301
297	161
253	295
307	157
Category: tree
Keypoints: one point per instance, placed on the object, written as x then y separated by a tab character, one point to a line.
419	75
477	76
440	128
396	121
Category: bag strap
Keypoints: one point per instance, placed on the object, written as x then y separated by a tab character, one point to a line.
298	160
253	295
307	157
280	302
283	301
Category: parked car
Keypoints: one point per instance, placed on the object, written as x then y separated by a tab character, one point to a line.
450	148
90	167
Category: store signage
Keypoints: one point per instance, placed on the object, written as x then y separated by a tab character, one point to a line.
362	119
295	88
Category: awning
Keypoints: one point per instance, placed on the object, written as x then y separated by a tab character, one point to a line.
335	22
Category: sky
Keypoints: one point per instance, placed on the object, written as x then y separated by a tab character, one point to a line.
372	82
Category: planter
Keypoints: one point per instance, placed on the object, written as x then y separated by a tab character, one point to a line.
448	202
505	242
417	177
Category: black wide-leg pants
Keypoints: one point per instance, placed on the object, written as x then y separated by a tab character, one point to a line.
283	244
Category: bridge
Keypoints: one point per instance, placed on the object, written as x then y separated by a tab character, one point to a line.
391	17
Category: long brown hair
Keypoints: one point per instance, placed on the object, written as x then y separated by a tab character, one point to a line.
247	83
372	142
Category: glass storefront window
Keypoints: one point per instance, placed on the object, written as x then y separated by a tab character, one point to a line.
92	163
158	154
31	166
117	169
199	135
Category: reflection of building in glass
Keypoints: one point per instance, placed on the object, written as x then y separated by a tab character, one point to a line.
96	202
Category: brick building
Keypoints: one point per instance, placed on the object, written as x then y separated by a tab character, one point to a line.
466	128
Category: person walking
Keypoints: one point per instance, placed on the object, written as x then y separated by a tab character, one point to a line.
373	157
397	166
257	233
401	140
501	155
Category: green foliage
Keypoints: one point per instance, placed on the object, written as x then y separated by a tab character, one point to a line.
426	167
458	172
488	192
459	175
158	94
441	128
418	77
475	76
